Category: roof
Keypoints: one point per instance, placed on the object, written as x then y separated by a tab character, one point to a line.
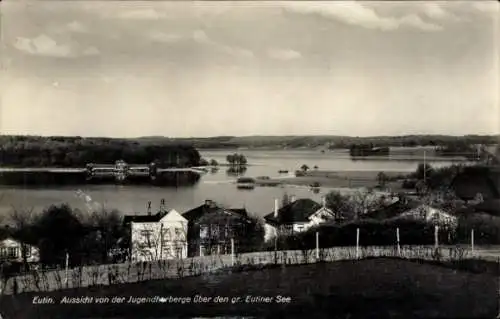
10	233
144	218
222	216
297	211
477	180
210	207
428	212
491	206
393	210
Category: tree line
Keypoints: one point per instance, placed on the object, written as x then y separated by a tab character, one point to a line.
59	230
38	151
334	142
351	214
96	237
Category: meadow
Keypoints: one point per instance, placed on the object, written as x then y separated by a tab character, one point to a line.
368	288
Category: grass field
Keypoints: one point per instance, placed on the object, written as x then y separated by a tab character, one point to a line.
371	288
347	179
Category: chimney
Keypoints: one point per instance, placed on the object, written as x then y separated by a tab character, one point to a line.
162	205
276	207
293	198
149	208
323	201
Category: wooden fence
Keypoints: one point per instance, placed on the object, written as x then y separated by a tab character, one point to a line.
98	275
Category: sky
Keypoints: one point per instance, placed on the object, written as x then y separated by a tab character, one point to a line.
200	69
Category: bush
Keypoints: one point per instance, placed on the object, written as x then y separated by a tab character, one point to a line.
372	233
409	184
486	229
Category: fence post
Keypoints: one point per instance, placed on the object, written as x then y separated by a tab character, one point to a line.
67	266
436	236
397	239
357	242
232	252
472	240
317	245
498	284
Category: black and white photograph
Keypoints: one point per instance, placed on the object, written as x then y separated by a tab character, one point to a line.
249	159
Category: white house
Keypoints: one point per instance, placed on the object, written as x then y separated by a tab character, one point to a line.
158	237
12	250
297	216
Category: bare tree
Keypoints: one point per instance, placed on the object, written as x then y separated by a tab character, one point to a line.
23	220
361	202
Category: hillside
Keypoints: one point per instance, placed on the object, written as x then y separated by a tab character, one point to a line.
75	151
373	288
324	141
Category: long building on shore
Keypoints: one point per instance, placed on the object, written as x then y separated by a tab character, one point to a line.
118	173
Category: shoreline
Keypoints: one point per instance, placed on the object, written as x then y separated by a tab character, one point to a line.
337	179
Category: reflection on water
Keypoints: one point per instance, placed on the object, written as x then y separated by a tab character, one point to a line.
236	171
218	184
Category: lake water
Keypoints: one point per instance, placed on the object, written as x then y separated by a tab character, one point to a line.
216	186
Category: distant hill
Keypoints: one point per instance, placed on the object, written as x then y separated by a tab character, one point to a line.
325	141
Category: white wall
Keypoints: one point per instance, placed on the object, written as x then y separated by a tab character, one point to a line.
269	232
321	216
174	237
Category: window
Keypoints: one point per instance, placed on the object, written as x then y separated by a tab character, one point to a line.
166	233
165	236
12	252
178	252
167	251
203	231
146	235
286	229
178	232
204	251
9	252
215	231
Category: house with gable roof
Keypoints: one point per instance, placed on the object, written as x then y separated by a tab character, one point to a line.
297	216
157	236
212	227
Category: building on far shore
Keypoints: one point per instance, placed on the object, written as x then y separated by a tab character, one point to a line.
297	216
157	237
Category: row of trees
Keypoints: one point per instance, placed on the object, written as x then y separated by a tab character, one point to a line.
236	159
383	233
89	238
337	142
61	230
350	209
425	178
36	151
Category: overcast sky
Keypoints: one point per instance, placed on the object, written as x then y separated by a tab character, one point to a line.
180	69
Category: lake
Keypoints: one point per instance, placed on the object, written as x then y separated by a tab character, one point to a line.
216	186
